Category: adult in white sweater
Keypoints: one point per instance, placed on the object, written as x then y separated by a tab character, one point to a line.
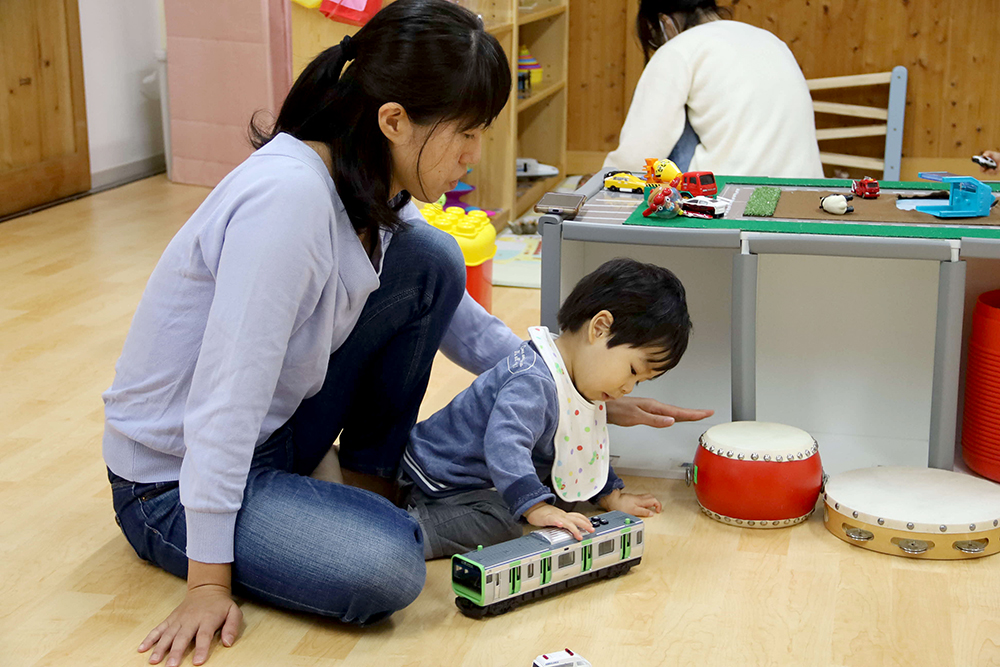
737	87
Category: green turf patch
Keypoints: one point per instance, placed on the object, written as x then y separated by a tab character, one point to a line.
762	202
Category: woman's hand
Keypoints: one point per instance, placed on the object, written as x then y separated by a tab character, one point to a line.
207	607
543	515
993	155
631	503
631	411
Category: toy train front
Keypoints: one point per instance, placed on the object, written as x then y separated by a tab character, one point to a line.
494	579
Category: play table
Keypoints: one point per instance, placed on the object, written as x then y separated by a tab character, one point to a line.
608	217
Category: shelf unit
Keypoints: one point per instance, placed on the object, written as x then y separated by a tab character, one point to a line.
533	127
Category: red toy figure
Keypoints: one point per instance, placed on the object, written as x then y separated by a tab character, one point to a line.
866	188
697	183
663	200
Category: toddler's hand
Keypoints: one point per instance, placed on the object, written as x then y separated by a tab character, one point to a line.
543	515
635	504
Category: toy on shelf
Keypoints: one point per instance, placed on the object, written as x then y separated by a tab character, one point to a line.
836	204
985	162
526	63
661	171
697	183
530	168
968	198
866	188
564	658
623	181
664	202
493	580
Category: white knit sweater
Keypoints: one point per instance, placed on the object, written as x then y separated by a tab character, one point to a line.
745	97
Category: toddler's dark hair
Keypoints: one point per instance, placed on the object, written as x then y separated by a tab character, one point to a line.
647	302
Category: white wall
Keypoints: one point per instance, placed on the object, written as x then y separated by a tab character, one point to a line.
119	42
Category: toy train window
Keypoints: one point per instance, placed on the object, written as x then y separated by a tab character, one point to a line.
604	548
567	559
638	537
489	578
468	576
531	570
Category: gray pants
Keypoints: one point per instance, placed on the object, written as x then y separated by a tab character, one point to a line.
460	523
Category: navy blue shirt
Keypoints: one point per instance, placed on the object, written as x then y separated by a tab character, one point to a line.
500	432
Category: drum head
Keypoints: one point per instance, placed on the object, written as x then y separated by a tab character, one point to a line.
916	499
757	440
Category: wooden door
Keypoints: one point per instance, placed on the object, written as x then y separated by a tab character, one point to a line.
43	122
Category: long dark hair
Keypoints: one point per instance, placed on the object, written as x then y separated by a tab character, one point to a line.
432	57
647	21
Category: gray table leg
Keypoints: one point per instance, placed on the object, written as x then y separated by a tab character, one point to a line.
551	228
947	360
744	337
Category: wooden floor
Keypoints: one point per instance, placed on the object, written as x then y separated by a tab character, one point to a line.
73	593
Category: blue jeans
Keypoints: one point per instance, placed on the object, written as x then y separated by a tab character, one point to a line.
684	148
314	546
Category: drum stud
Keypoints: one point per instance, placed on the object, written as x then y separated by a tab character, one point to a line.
739	521
775	523
751	523
740	457
729	453
836	506
972	526
855	515
727	519
754	456
800	455
995	522
778	458
944	529
881	522
767	457
910	526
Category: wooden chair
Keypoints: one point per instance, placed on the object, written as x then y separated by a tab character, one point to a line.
893	117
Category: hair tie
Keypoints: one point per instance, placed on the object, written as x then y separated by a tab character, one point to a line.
348	48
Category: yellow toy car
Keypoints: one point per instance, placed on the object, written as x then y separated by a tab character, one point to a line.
622	181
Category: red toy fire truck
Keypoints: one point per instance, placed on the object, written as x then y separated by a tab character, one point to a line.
866	188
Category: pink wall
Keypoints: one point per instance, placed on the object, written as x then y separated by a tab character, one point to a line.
226	59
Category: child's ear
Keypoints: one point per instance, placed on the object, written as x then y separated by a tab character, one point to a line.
600	326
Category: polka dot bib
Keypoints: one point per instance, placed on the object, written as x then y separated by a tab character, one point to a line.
580	469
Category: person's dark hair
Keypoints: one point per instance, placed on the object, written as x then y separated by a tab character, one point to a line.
647	302
647	21
432	57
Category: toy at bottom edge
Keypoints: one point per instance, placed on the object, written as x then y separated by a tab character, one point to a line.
564	658
493	580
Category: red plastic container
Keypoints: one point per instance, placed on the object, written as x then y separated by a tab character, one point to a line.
981	419
479	284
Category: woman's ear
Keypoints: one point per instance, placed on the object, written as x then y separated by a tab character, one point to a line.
600	327
395	123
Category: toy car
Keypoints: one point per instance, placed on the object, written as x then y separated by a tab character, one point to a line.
564	658
711	208
696	184
622	181
985	162
866	188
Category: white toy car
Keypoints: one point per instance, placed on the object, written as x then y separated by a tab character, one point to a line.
564	658
706	206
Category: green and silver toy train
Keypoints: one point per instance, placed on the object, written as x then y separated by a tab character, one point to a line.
494	580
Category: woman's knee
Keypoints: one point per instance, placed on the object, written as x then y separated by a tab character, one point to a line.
443	260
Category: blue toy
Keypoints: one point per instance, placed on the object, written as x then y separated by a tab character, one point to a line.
968	198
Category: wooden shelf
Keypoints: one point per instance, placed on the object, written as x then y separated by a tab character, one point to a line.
531	17
532	195
540	95
498	29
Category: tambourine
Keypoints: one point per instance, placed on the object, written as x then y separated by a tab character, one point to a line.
757	474
914	512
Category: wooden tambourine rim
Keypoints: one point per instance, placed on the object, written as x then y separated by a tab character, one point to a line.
881	541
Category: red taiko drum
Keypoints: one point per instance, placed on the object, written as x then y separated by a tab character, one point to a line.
757	474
